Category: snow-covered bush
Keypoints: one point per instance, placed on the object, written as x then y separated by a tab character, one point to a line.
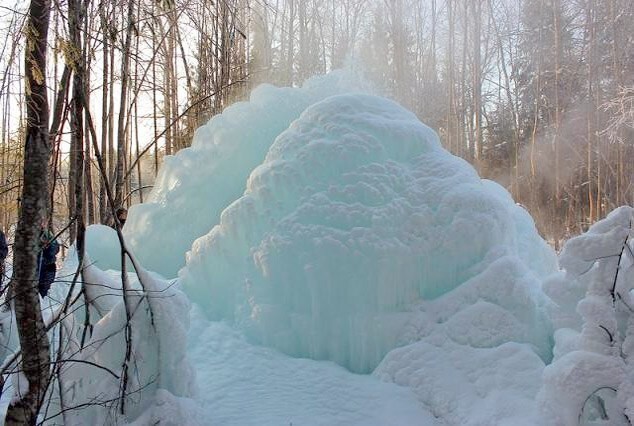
591	378
124	358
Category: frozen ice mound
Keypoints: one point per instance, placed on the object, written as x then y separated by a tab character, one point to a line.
355	217
196	184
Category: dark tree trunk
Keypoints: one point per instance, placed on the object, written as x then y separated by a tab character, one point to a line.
121	128
76	175
103	203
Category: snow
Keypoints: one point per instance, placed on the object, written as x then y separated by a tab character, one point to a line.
571	380
474	354
161	379
243	384
590	379
469	386
317	258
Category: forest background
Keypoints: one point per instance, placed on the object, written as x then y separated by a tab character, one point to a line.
536	94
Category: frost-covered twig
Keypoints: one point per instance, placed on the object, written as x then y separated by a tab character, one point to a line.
622	109
618	263
93	402
608	333
590	396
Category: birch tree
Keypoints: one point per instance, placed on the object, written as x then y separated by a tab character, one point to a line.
32	334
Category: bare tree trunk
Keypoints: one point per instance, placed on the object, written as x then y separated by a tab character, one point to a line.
557	202
86	61
103	202
55	132
592	113
111	152
621	179
154	101
121	127
168	47
464	140
477	82
76	171
136	125
509	97
89	192
76	14
450	79
291	44
398	43
537	101
167	103
33	339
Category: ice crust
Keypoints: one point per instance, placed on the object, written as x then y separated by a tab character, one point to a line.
463	355
356	214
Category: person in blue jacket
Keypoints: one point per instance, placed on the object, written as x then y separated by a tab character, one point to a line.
46	258
4	251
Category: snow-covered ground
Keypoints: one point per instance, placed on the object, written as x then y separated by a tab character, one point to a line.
244	384
325	262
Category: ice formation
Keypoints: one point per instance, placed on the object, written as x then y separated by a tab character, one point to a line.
103	246
355	215
465	359
196	184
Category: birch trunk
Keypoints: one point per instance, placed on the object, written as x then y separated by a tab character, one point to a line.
32	334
